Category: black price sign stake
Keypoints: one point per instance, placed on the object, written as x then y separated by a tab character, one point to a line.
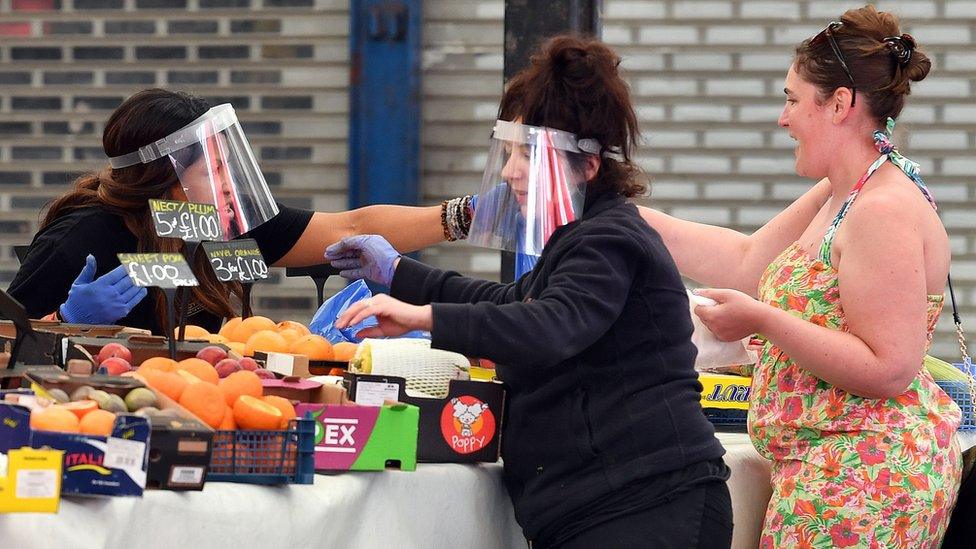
189	221
238	260
165	271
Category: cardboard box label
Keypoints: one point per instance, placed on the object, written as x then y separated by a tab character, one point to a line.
374	393
186	475
37	483
345	437
467	424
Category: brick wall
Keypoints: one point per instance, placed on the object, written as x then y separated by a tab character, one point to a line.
706	75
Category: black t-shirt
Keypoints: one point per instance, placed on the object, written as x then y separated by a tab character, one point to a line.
57	254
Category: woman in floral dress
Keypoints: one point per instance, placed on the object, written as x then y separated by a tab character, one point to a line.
844	287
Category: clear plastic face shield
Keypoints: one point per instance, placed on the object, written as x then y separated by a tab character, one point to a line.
534	182
215	165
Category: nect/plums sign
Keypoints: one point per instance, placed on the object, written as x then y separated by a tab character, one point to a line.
189	221
159	270
238	260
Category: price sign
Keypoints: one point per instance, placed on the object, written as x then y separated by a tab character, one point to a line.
159	270
190	221
239	260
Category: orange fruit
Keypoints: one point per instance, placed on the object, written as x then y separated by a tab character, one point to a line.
227	330
292	325
200	368
98	422
217	338
290	335
206	402
239	383
188	377
168	383
237	347
250	326
80	408
56	418
315	347
158	363
283	405
228	423
193	332
344	351
254	413
268	341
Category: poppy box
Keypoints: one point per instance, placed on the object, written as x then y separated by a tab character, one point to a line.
462	427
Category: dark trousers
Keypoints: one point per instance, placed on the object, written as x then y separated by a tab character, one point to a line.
698	518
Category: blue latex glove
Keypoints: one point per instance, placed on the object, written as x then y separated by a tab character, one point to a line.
367	256
101	301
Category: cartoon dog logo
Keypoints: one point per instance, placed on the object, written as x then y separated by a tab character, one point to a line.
467	424
467	414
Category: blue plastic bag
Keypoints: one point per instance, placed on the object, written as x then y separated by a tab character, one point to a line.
323	323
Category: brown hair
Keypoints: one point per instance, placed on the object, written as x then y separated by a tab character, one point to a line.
142	119
572	84
881	80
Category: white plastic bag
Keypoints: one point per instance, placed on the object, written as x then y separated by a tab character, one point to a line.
715	355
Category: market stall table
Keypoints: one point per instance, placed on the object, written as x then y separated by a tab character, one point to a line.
438	505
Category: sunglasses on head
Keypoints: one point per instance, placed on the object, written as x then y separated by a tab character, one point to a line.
827	35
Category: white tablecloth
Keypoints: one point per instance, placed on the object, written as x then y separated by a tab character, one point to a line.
437	506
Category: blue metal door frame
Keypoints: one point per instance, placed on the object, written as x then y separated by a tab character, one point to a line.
385	98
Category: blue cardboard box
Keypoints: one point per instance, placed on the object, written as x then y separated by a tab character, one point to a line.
93	465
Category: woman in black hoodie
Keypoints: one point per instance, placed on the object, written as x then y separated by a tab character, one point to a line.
604	443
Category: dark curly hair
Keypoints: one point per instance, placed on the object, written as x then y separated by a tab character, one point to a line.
572	84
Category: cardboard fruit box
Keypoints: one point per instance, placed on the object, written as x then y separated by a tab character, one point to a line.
180	445
463	427
364	438
93	465
46	344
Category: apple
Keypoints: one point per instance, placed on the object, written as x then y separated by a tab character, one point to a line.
212	354
114	350
248	363
227	367
116	366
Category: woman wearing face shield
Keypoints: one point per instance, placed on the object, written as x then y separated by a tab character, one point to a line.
845	288
604	443
107	213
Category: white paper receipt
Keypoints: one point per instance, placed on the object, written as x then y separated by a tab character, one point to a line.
37	483
372	393
124	454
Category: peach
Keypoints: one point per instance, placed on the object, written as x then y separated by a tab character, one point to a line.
264	374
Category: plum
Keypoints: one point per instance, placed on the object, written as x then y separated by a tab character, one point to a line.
227	367
212	354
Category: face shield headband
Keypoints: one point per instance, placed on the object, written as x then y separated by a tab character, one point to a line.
215	165
534	182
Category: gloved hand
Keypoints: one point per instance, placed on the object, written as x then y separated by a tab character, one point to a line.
103	301
367	256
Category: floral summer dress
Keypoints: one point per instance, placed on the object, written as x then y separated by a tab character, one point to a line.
848	471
